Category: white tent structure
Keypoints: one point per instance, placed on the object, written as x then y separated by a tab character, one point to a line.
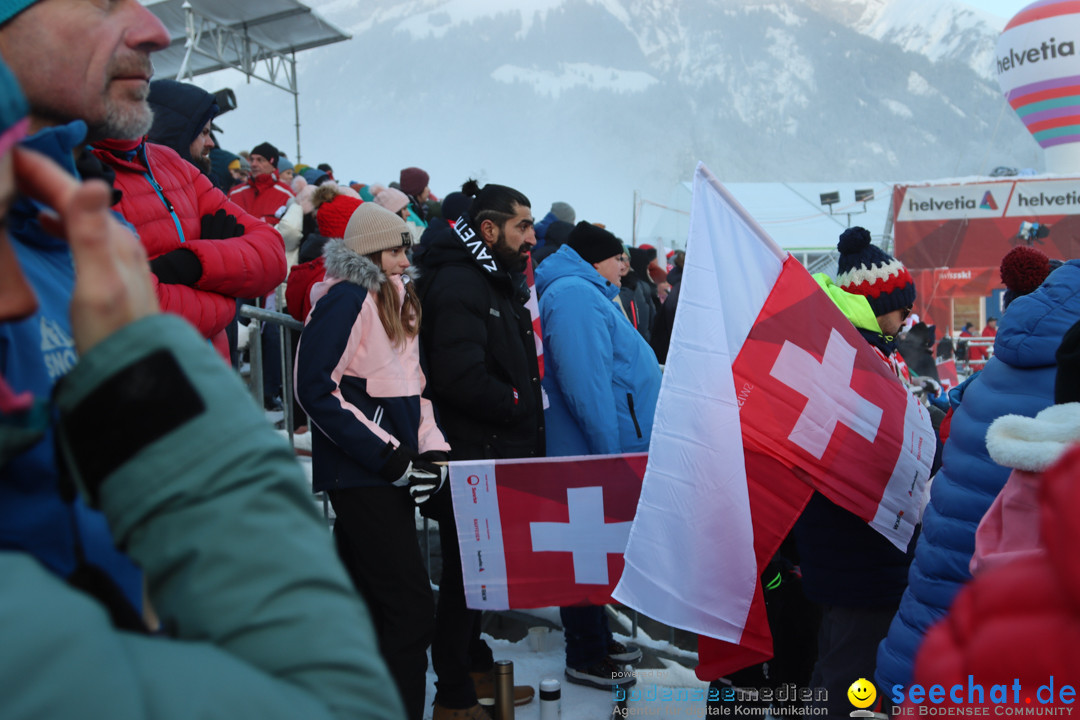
260	39
792	213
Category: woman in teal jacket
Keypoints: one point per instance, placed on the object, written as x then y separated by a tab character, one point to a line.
258	617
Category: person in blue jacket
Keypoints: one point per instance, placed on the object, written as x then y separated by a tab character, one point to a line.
64	59
603	381
1018	380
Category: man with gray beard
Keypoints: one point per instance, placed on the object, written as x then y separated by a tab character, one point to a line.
85	67
82	65
77	60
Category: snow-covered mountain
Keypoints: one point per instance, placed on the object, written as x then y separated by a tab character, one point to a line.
589	100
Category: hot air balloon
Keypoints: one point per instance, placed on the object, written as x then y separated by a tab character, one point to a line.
1039	71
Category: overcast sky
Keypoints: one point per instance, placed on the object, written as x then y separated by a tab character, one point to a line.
1002	8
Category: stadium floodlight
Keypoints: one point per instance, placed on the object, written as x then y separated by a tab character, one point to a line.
830	198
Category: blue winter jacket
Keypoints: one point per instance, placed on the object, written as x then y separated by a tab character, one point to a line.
1018	380
34	354
601	377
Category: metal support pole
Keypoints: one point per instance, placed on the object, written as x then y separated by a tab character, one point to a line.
255	356
296	104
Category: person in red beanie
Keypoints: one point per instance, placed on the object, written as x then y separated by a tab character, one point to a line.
332	212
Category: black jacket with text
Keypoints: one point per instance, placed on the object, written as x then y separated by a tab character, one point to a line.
479	349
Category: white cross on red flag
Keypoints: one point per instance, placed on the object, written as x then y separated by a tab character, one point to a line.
544	532
769	394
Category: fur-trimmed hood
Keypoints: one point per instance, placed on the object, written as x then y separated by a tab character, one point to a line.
348	265
1034	443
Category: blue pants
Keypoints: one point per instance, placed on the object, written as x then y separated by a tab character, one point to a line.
587	635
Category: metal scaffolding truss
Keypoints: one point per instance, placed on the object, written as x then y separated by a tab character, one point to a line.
259	39
233	47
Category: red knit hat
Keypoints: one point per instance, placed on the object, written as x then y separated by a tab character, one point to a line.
333	215
1022	270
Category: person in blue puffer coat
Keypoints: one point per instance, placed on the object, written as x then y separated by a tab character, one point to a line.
1018	380
603	381
601	377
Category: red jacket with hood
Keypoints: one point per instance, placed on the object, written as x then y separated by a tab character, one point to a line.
165	198
262	196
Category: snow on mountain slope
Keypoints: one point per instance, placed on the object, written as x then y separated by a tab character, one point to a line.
589	100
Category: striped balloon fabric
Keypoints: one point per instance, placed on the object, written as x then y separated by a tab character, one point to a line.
1039	70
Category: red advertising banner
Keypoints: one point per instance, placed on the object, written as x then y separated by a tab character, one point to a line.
968	226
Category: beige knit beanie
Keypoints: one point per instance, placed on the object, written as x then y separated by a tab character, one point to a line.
372	229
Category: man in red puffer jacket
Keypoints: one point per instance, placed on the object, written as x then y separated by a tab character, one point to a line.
263	195
204	250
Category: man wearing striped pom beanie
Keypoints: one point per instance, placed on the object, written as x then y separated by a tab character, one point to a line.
866	269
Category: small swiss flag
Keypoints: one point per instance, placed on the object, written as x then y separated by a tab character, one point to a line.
546	532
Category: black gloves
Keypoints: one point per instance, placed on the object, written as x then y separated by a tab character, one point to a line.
181	266
177	267
90	167
220	226
423	479
418	473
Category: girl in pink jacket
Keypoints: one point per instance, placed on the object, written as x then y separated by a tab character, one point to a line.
375	442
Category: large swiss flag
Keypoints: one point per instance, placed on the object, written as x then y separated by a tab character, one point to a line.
546	532
768	395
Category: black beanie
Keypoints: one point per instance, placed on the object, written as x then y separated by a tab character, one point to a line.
593	244
1067	381
268	151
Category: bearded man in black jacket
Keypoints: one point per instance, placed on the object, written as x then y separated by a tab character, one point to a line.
483	378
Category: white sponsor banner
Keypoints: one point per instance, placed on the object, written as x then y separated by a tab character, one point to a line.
1049	197
954	202
476	507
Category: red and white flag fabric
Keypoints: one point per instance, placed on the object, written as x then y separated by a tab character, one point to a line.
534	313
769	394
544	532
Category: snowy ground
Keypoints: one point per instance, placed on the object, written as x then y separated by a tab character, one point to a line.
582	703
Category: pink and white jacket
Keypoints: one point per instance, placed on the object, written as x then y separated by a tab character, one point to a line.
1010	528
363	394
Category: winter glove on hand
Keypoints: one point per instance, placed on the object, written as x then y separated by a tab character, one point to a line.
423	479
220	226
435	456
178	267
90	167
930	386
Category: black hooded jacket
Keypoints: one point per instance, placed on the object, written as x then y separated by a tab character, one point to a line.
180	113
479	349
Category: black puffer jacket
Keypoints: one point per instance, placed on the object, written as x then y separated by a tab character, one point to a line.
479	349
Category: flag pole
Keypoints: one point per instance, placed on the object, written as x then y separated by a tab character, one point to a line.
765	238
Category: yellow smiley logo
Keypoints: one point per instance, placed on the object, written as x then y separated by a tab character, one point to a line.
862	693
